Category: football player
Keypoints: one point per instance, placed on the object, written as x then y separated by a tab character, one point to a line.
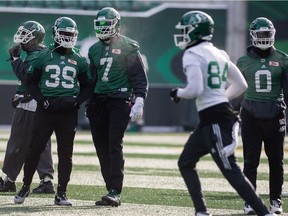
208	70
59	81
263	108
119	74
29	38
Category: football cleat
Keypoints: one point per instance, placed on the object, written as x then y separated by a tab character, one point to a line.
276	206
62	200
202	214
248	210
23	193
112	198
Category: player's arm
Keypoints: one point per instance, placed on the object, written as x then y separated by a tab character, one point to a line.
237	82
137	75
138	79
19	68
194	85
32	79
285	80
86	89
93	73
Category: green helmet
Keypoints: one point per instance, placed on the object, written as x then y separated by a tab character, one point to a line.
195	26
262	33
65	32
107	23
31	33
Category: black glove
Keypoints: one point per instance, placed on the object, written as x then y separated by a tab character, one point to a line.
46	104
173	95
76	104
14	52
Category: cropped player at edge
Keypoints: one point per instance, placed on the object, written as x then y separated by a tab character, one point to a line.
265	69
208	70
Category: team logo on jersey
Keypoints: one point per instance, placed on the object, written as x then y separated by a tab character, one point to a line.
72	61
274	63
116	51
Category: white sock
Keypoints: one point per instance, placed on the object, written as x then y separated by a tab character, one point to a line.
46	179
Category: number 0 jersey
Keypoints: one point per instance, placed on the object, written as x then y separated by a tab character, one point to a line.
60	72
263	75
214	64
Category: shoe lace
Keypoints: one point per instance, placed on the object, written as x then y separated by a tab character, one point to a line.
62	196
276	203
23	191
113	192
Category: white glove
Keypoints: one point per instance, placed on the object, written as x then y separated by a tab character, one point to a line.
137	109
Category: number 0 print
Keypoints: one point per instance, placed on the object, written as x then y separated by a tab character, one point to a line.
261	86
54	80
215	78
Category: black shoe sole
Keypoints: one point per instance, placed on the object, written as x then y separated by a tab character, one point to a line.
7	190
43	192
102	203
111	202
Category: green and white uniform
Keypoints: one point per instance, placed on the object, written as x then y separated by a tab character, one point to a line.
59	73
263	113
59	79
113	74
266	78
119	74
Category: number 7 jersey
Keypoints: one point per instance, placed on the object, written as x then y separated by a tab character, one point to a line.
111	64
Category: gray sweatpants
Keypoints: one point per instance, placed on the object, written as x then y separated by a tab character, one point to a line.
18	146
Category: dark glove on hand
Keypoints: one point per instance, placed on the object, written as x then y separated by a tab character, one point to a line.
76	104
15	52
45	103
173	95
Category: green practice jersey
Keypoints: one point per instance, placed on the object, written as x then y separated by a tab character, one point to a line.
60	72
264	76
110	62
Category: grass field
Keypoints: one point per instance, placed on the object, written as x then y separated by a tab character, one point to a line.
152	183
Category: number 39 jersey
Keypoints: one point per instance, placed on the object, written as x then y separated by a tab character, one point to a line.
60	72
264	76
214	64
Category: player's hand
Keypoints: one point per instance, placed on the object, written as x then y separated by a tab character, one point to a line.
173	95
137	109
14	52
76	104
46	104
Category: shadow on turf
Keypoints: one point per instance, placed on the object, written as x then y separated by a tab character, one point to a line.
11	208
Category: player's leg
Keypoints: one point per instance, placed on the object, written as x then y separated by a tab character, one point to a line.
97	114
17	148
41	134
118	120
193	150
65	129
252	137
224	135
45	170
274	149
